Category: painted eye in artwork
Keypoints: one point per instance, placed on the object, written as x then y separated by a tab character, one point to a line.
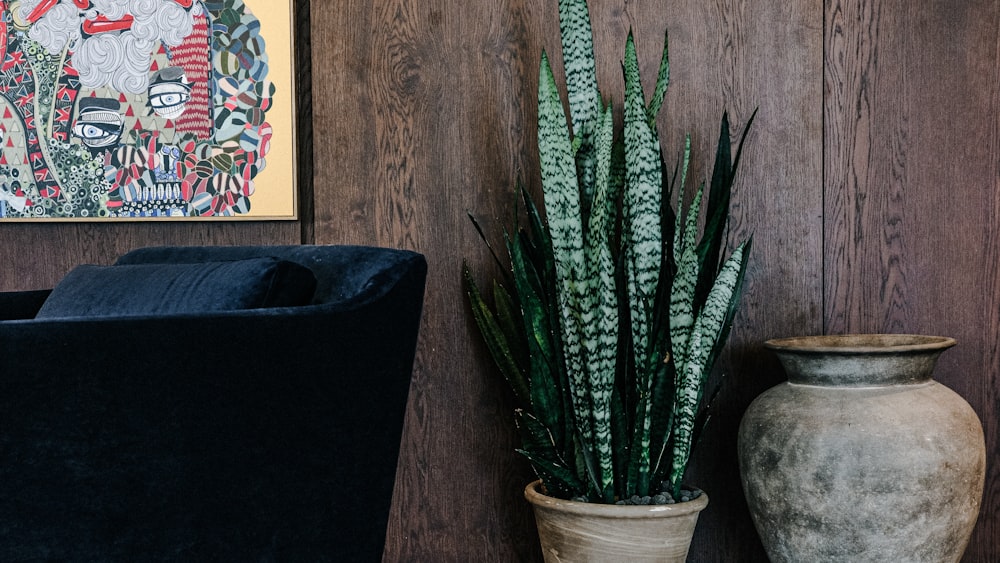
97	135
89	132
168	100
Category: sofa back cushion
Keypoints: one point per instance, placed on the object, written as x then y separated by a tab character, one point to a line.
346	276
154	289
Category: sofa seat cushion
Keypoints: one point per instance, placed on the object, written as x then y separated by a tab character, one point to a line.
155	289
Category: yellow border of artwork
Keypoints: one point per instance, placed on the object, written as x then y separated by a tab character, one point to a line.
276	186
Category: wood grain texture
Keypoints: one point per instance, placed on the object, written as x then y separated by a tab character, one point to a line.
912	215
37	255
417	114
426	112
737	57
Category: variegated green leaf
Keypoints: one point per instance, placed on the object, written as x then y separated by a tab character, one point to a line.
562	209
602	332
642	231
690	385
679	230
682	293
662	81
581	86
643	192
581	69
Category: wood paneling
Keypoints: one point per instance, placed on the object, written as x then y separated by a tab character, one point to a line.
729	55
912	213
871	185
425	111
37	255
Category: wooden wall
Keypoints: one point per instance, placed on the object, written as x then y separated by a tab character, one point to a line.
871	185
912	193
425	111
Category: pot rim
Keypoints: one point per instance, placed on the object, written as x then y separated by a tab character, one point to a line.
541	500
849	344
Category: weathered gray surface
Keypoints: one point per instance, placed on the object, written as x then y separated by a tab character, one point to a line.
881	473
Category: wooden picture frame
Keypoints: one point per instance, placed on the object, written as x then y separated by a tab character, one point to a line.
185	111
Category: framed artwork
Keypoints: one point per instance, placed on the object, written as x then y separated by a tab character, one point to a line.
147	109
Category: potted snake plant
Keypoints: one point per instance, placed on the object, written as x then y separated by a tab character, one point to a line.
611	313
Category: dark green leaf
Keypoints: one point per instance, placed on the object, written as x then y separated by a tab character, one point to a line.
495	341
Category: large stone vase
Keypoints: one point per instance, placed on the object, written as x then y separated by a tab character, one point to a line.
581	532
861	456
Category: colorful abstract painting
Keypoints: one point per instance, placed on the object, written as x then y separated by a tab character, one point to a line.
126	109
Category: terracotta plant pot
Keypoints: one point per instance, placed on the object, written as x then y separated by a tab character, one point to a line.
861	456
582	532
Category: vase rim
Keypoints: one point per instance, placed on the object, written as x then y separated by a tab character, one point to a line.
849	344
535	496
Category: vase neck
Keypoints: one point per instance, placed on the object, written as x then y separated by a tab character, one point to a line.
860	361
858	370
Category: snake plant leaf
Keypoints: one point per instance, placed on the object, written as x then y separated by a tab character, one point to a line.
602	332
562	209
529	287
602	219
482	236
581	87
620	443
707	330
718	197
682	293
580	66
717	211
508	316
662	415
701	419
679	230
662	81
544	264
539	241
642	230
538	446
546	394
733	305
643	192
495	340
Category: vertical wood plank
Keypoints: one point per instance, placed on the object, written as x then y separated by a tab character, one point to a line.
425	111
912	181
737	57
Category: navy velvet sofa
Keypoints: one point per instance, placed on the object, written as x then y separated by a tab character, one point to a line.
266	434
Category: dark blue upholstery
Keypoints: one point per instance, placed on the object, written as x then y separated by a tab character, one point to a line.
253	435
169	288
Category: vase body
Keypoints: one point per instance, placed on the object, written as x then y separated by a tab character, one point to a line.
861	456
581	532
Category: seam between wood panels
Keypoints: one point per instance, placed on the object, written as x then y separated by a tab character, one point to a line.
824	320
